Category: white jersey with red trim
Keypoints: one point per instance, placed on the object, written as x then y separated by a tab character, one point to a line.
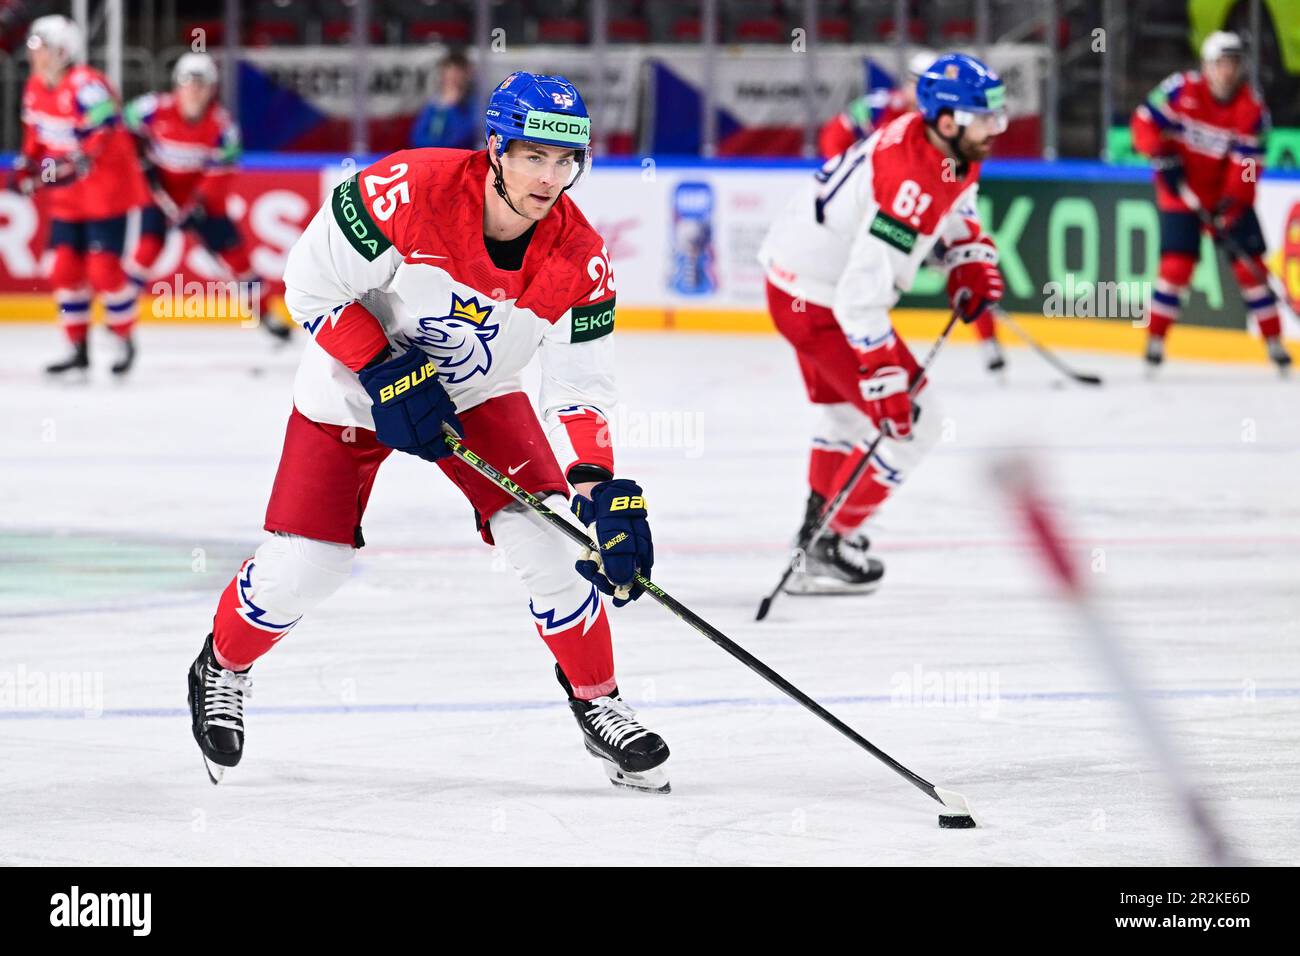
854	235
397	253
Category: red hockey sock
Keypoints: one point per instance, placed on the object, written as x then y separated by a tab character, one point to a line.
824	464
241	632
583	648
985	329
867	495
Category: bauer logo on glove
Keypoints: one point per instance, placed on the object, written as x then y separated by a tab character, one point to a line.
406	382
616	512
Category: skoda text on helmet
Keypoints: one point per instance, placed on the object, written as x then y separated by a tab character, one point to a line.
541	109
968	89
56	33
195	68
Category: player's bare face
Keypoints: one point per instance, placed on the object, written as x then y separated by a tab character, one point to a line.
977	144
193	98
45	62
1223	75
535	175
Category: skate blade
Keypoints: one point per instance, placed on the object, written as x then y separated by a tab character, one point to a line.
216	772
813	586
654	780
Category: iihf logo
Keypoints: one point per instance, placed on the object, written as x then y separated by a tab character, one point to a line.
458	341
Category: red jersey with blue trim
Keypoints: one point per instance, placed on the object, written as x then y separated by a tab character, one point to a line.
1221	143
188	153
80	115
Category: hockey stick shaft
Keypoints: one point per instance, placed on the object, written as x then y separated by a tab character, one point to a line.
1230	245
1083	378
830	510
542	510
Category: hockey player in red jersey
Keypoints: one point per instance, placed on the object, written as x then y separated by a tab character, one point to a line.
427	283
77	159
837	259
189	148
854	125
1204	133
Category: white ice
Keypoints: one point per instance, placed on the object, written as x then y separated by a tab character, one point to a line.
414	718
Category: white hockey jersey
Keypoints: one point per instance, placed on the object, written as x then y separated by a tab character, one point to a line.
397	254
855	234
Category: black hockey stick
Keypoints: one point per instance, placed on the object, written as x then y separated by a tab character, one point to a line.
957	805
1229	244
1083	378
832	508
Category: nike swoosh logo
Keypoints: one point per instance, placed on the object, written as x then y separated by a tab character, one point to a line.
515	469
425	255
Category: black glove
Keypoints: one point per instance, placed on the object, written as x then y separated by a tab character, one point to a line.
624	544
410	404
1169	169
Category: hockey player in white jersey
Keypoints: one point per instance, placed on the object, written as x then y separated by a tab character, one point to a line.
427	282
837	258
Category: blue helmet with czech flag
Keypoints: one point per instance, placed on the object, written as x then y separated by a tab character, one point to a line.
967	88
541	109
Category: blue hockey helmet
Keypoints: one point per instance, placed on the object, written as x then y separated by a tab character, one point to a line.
965	86
539	109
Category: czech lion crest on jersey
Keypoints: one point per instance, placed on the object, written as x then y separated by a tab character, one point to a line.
458	341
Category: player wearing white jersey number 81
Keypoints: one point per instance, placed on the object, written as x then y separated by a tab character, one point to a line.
837	258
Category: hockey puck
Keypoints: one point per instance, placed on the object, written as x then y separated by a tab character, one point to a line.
956	821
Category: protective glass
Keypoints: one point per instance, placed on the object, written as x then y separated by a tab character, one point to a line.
991	123
561	168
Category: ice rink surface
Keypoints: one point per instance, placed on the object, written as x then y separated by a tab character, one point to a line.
414	718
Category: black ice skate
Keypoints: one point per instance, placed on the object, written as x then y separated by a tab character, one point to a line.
125	355
75	365
217	698
1278	354
276	328
995	361
633	756
1155	354
836	565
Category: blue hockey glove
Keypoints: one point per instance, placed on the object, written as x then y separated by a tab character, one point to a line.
410	405
623	542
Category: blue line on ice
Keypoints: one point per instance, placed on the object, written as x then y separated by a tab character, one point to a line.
472	707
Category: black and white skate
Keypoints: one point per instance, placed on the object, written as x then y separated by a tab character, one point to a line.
1278	354
1155	354
276	328
995	361
217	697
125	355
76	363
633	757
836	565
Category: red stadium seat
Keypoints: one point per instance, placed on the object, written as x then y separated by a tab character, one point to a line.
446	31
687	30
766	30
562	30
915	30
340	31
957	30
834	30
272	33
628	30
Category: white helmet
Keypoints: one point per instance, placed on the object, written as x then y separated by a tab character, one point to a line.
1219	44
918	63
56	33
195	67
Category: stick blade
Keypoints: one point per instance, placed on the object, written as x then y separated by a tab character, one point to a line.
1086	378
764	606
956	804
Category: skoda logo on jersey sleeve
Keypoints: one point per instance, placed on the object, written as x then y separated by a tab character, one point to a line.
458	341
